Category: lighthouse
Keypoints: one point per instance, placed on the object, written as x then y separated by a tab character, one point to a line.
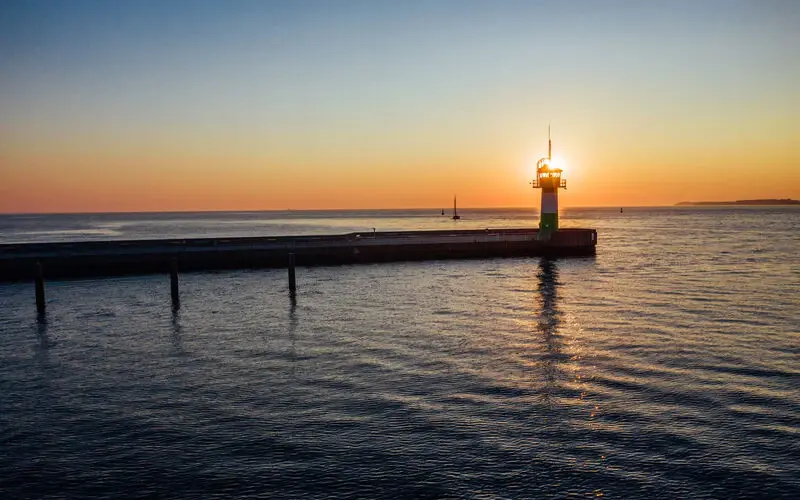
548	179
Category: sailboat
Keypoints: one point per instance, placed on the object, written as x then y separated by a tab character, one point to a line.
455	210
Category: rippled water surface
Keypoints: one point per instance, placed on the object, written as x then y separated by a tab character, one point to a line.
668	366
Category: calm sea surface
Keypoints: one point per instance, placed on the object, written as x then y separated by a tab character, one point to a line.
668	366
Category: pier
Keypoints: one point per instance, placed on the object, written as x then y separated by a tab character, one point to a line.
65	260
38	261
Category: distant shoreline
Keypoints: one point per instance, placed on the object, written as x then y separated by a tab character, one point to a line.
770	201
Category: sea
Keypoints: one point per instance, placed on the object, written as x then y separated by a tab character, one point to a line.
666	366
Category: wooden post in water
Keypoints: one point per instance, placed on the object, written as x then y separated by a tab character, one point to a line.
292	283
173	278
40	302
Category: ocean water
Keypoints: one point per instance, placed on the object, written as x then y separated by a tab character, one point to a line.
668	366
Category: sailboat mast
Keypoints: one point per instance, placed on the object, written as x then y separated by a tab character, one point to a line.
455	209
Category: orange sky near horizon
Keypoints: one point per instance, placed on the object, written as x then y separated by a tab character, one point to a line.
487	167
394	106
175	182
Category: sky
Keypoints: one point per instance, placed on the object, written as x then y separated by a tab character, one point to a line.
258	105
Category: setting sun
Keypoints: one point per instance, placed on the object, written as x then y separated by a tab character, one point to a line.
559	162
555	162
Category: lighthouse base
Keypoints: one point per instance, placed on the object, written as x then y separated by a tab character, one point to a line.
548	222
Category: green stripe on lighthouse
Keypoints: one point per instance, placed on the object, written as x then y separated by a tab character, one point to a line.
548	223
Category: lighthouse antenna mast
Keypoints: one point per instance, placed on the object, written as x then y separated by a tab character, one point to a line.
549	144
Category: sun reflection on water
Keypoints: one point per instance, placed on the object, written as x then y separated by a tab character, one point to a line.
547	324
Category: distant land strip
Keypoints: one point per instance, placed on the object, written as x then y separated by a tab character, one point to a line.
785	201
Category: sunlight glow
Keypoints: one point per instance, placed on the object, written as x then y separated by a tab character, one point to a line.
555	162
559	162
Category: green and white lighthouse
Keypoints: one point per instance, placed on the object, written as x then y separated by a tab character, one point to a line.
548	179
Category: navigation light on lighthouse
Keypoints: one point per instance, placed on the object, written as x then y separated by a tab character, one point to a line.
548	179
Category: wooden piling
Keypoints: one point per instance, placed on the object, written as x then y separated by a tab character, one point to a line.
40	301
173	278
292	282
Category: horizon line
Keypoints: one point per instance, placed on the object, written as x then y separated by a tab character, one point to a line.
435	209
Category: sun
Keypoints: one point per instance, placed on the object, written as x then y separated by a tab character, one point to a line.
559	162
555	162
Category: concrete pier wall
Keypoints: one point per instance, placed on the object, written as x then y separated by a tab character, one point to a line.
107	258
